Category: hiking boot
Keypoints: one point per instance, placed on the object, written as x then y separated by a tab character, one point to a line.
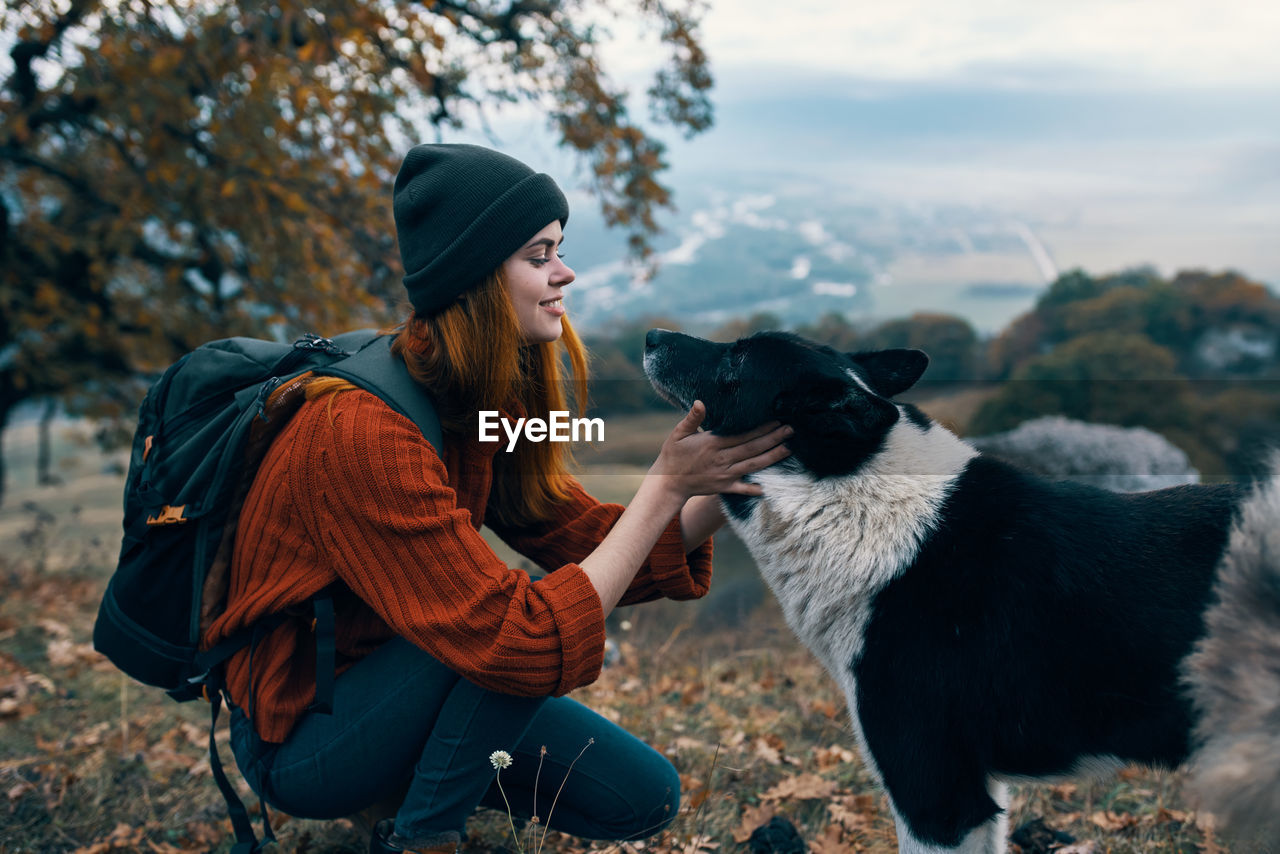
386	841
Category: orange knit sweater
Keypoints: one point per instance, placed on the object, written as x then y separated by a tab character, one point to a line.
350	492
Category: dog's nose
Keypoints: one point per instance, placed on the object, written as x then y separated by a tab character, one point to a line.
653	337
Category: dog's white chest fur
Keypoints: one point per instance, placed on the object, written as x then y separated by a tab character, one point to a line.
826	547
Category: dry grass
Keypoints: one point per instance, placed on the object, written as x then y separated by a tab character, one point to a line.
92	762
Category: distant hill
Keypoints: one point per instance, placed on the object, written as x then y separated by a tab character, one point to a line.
790	249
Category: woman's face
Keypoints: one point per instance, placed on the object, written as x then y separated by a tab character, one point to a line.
535	277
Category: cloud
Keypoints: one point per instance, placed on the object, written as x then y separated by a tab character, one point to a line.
1187	42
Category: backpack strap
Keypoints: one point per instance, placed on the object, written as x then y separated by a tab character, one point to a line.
326	654
246	841
376	370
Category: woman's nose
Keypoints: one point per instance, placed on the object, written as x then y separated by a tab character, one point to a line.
564	275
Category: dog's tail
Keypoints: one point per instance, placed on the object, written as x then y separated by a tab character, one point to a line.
1234	677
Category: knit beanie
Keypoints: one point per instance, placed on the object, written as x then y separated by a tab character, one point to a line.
461	210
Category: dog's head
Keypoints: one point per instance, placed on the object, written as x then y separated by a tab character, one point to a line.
838	403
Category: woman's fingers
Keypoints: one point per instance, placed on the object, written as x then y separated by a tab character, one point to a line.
761	442
705	463
753	434
692	420
747	465
741	487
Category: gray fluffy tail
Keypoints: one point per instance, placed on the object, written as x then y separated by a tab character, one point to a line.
1234	676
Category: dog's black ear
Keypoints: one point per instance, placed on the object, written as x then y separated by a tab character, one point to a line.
891	372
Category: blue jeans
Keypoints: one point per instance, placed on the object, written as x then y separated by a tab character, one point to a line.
401	718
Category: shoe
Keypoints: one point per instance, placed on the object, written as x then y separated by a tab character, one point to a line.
385	840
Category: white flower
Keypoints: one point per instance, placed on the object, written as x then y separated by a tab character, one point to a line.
500	759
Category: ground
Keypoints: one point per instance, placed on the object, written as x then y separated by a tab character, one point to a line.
91	761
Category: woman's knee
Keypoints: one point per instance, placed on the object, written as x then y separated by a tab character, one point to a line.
647	804
665	812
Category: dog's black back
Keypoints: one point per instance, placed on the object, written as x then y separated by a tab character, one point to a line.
1041	624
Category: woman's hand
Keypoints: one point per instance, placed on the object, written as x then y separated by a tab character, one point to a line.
690	463
696	463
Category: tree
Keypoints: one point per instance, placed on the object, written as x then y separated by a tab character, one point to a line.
951	342
175	171
1106	378
832	329
732	330
618	382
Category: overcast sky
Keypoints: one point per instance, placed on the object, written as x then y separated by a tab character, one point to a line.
1150	127
1197	43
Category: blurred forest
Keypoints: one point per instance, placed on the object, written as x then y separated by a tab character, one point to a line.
1195	358
176	172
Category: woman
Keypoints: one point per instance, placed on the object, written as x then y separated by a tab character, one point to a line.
445	654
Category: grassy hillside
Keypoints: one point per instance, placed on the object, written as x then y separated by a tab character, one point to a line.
93	762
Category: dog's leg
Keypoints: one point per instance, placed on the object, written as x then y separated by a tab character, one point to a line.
1000	794
991	837
940	790
945	805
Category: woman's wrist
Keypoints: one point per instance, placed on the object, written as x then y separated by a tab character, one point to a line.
614	563
662	492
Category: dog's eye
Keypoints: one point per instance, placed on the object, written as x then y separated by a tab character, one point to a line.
727	372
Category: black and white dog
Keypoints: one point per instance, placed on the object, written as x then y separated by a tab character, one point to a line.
987	625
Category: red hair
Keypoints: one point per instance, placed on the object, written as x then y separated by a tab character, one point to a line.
471	357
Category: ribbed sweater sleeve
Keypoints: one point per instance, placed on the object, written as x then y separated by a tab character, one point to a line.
383	515
581	523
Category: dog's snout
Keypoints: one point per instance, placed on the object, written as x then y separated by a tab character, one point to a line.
653	338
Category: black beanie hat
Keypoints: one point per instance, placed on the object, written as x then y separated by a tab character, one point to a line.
461	210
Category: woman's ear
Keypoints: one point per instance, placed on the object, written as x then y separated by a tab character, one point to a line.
891	372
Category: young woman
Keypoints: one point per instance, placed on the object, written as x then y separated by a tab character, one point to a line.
445	654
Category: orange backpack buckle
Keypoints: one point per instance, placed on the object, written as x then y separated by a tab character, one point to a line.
168	516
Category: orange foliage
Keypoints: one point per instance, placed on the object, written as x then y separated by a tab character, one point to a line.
184	170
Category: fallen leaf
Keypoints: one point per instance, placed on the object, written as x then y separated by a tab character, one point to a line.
829	757
804	787
94	735
826	708
63	652
19	789
698	798
1088	846
854	812
1208	826
123	838
766	751
831	842
54	629
1113	821
753	817
700	842
684	743
1064	791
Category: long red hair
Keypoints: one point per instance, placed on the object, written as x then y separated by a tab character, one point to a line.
471	357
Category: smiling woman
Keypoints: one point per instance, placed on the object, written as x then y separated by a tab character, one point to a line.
445	654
